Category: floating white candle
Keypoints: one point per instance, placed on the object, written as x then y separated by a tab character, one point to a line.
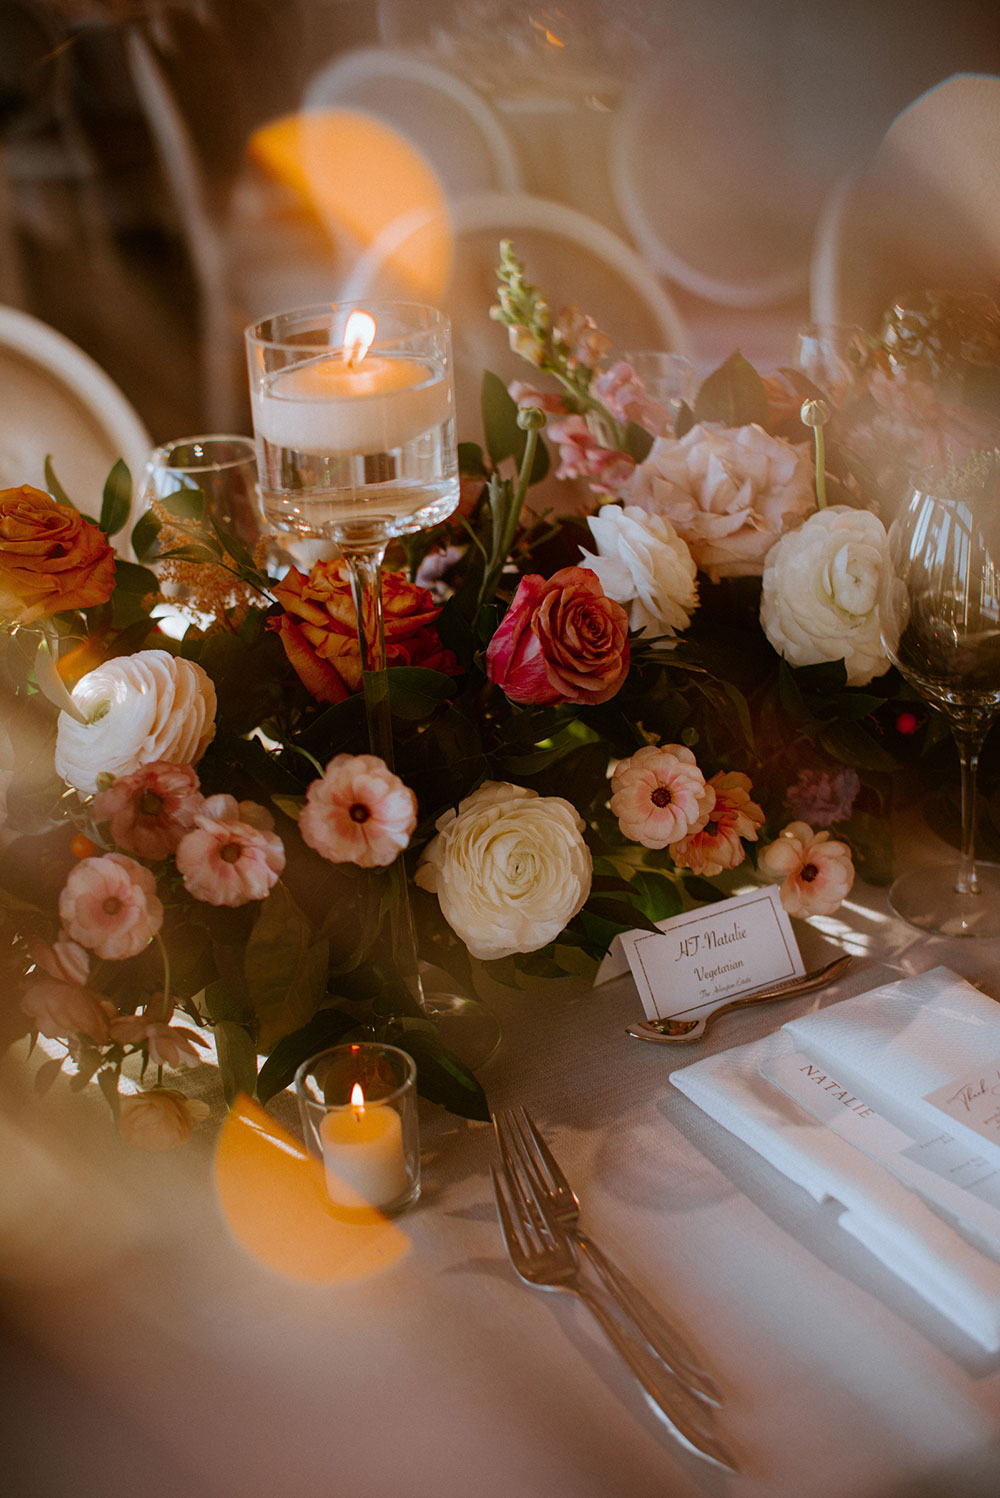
352	402
363	1154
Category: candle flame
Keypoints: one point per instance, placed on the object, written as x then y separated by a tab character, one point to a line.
357	1098
358	334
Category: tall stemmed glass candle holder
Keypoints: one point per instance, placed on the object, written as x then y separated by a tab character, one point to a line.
354	416
941	627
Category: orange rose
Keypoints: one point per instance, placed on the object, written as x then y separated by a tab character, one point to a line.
51	558
319	632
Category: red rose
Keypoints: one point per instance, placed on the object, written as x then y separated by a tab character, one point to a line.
51	559
560	641
319	632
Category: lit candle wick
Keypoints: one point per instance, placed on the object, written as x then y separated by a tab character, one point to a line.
359	331
358	1101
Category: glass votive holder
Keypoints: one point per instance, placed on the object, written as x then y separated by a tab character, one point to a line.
223	467
669	378
831	355
358	1106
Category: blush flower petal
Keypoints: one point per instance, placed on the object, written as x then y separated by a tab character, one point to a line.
660	796
160	1119
359	812
816	872
110	905
150	810
719	844
231	856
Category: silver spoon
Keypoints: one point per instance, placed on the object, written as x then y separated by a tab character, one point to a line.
683	1031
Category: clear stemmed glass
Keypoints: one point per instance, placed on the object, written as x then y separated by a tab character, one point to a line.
941	628
354	414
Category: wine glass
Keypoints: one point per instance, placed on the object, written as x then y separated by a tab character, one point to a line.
354	415
940	614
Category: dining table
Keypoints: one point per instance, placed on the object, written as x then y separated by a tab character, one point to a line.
151	1347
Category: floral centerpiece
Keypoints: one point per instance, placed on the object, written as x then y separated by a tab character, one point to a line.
600	718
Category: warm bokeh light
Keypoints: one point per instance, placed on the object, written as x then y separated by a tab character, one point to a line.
359	333
273	1194
360	177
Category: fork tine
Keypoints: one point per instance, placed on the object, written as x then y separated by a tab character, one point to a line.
528	1190
557	1182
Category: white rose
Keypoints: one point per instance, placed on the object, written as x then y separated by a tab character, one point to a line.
819	598
730	492
643	564
160	1119
139	708
510	868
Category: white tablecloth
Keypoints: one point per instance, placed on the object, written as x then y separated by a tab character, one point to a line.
147	1352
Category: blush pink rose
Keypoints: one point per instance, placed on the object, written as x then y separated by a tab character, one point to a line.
659	795
730	492
232	855
560	641
816	872
109	904
150	810
359	812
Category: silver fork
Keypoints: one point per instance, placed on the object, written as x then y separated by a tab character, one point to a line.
542	1255
519	1137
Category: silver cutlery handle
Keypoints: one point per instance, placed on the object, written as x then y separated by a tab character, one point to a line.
667	1342
682	1411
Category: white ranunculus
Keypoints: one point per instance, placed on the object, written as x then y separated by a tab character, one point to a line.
730	492
509	868
820	593
643	564
139	708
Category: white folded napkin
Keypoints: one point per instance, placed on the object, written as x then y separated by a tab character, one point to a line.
875	1152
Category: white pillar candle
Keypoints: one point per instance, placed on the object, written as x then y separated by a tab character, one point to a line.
363	1154
331	405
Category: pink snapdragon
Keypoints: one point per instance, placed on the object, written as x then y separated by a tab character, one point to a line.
110	905
549	401
719	844
150	810
359	812
660	796
816	873
232	855
621	390
582	456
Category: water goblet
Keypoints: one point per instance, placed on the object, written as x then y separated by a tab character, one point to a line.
354	415
940	612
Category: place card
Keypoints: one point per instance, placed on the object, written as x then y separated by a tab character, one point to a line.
703	959
973	1100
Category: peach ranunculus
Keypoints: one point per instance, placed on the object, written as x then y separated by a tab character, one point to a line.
318	628
719	844
150	810
562	640
659	795
730	492
138	709
110	905
358	812
232	855
159	1119
51	558
816	872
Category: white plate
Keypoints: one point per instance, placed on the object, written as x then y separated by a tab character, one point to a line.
57	401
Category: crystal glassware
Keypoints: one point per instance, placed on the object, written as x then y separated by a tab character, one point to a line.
940	614
354	416
223	467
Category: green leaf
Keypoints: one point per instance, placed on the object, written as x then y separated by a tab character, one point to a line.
441	1077
145	536
53	485
117	499
207	550
107	1081
638	441
237	1059
285	972
326	1028
415	692
621	913
185	504
504	438
701	891
134	579
223	1004
734	395
46	1074
657	895
470	461
851	744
